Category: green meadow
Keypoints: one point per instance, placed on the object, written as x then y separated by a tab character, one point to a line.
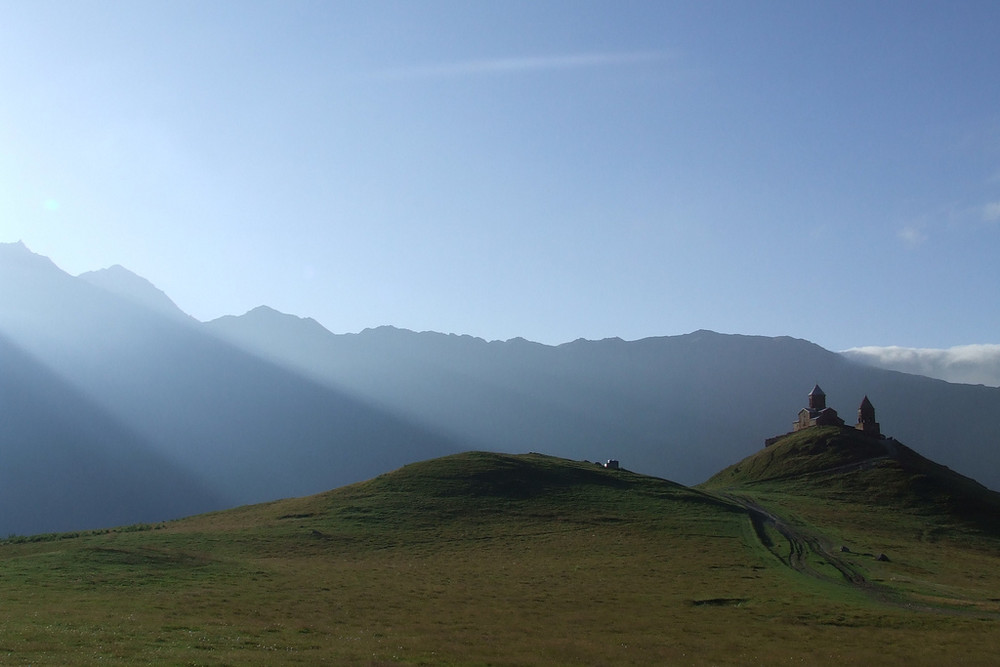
496	559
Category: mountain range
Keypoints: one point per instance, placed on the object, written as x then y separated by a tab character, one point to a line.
115	402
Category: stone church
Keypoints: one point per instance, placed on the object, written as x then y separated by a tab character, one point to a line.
819	414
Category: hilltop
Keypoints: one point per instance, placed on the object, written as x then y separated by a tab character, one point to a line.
838	471
483	489
846	466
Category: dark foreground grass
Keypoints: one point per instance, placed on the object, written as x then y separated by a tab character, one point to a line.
472	559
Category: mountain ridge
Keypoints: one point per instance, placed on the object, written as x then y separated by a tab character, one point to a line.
271	405
724	351
125	284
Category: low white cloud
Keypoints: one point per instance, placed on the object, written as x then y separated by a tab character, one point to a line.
523	64
912	236
968	364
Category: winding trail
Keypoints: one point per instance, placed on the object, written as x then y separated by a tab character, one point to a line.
801	545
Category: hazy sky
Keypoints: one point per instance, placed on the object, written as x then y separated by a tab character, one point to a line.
551	170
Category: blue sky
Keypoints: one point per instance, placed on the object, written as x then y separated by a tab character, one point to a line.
551	170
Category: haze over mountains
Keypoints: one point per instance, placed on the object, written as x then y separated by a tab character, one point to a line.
117	407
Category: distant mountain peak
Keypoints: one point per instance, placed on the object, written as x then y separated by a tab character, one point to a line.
264	314
20	253
265	322
265	309
125	284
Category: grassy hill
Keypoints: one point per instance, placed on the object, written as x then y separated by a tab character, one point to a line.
483	559
844	466
859	497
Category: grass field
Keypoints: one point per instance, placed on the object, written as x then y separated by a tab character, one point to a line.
492	559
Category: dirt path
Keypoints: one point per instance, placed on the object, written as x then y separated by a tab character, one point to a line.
801	545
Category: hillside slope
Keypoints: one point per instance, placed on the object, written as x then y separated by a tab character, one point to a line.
474	558
832	502
66	463
245	429
844	465
681	407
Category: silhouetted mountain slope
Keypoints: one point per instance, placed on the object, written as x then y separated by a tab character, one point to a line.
681	407
66	464
123	283
253	430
